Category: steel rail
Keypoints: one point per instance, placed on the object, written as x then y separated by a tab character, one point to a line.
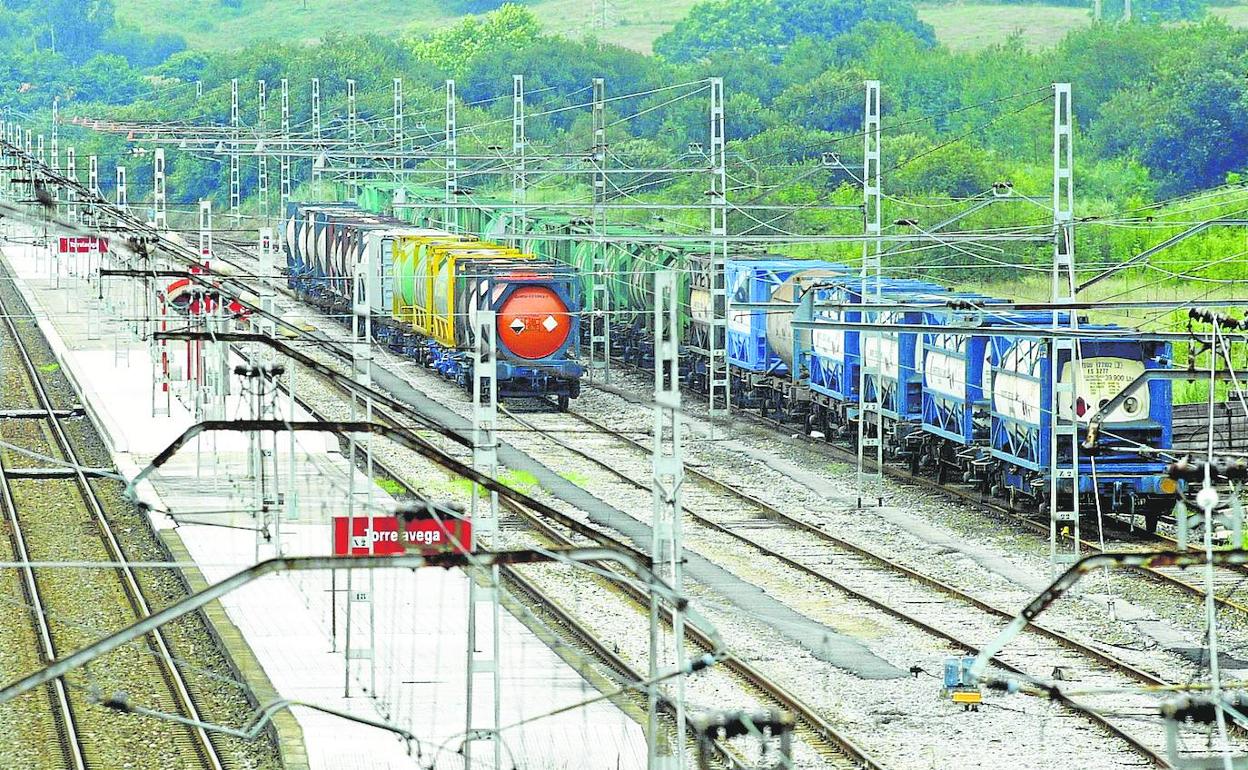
66	724
807	715
778	515
129	580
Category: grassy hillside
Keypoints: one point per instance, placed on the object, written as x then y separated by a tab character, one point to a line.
968	27
630	23
207	24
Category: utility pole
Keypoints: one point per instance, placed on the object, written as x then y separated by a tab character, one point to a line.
362	373
159	220
600	291
452	162
871	371
1063	351
235	186
316	124
483	600
719	378
285	161
519	183
262	159
667	532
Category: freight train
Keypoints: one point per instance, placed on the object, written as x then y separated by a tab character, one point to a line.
964	405
427	284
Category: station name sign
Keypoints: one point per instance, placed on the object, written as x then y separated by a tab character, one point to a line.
83	244
379	536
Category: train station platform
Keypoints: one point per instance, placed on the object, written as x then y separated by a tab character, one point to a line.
409	628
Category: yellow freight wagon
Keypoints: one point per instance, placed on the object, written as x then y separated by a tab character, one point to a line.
410	282
445	278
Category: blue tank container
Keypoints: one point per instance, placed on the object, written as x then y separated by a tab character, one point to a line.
756	281
835	356
1021	421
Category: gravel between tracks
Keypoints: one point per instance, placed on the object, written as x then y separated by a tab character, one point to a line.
885	716
83	609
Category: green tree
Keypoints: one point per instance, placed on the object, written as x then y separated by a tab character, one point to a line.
742	25
454	48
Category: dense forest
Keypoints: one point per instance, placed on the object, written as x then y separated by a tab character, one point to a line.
1161	109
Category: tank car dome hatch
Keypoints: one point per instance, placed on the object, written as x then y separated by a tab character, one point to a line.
533	323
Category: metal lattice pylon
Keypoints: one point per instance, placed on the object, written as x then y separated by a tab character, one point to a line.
1064	433
483	582
284	174
600	288
235	185
871	343
316	124
452	160
396	94
159	220
519	181
352	163
262	158
667	536
719	380
71	194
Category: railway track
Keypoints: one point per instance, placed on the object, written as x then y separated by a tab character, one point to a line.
54	513
834	748
817	570
1228	579
758	526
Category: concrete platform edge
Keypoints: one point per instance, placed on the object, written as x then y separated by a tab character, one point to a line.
290	744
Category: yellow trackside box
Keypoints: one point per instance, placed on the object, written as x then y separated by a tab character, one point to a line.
409	281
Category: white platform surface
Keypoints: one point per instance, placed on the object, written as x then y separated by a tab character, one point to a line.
419	618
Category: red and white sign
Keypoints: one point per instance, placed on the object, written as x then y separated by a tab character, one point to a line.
83	244
424	536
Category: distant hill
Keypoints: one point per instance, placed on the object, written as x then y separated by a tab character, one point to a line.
630	23
211	25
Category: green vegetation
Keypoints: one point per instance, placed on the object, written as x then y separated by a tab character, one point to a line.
1161	110
390	486
767	27
579	479
212	25
978	26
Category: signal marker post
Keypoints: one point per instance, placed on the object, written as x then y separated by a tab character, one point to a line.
483	582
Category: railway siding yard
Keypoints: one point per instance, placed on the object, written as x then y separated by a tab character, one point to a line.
818	414
789	561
